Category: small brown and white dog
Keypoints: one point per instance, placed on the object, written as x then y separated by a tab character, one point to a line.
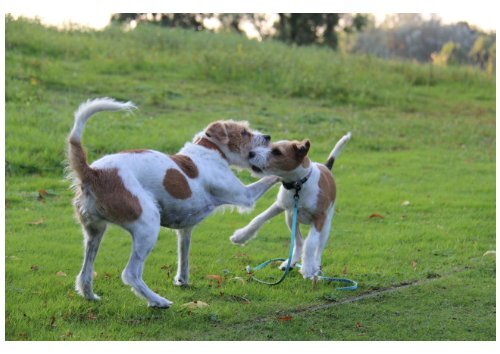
141	190
289	161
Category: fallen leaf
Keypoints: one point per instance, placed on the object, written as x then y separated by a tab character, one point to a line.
490	253
42	193
107	275
37	222
240	299
240	279
34	267
375	215
405	203
194	305
61	274
345	270
217	278
91	316
13	258
53	321
358	325
284	318
414	265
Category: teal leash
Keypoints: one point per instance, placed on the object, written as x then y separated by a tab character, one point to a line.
352	284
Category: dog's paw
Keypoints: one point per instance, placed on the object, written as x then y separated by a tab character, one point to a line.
179	281
93	297
160	303
309	272
285	263
240	237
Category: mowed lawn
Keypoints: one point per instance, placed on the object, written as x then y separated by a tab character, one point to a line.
415	212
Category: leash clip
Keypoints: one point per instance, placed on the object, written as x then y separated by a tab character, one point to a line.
297	186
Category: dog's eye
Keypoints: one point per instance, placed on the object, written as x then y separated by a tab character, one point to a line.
276	152
244	133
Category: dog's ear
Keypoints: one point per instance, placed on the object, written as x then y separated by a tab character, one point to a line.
302	148
217	131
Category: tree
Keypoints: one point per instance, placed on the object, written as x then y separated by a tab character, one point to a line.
449	54
480	51
293	28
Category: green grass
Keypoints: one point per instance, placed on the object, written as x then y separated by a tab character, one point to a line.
420	134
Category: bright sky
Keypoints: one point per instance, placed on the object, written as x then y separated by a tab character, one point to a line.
96	14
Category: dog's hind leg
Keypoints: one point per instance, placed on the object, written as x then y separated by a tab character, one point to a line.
183	244
144	236
92	233
299	242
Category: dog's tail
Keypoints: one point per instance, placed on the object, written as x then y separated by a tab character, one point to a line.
77	159
336	150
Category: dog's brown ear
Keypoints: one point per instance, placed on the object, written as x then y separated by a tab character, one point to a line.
302	148
217	131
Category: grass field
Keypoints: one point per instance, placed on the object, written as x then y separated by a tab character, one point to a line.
421	134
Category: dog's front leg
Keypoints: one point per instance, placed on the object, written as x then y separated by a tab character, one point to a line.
242	235
183	245
235	193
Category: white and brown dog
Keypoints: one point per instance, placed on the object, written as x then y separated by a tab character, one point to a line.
289	161
141	190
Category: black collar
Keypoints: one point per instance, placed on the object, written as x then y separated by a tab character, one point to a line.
297	185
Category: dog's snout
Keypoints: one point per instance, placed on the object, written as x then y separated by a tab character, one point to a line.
251	154
267	138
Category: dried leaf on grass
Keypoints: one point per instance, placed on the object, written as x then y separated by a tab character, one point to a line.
240	279
61	274
345	270
42	193
414	265
13	258
36	222
284	318
194	305
376	215
217	278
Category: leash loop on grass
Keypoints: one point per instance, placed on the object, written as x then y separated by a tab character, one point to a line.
352	284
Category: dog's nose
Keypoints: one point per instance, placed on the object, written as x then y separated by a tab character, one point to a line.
267	138
251	154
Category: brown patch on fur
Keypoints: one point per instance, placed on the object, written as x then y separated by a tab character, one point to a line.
306	163
186	165
326	196
240	136
292	154
176	184
217	130
77	158
210	145
113	201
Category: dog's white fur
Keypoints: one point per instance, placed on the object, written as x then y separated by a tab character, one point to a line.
142	175
312	249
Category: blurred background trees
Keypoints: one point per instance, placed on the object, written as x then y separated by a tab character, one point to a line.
404	36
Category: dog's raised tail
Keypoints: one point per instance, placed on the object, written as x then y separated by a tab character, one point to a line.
336	150
77	158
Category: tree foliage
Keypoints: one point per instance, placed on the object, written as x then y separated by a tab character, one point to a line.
293	28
